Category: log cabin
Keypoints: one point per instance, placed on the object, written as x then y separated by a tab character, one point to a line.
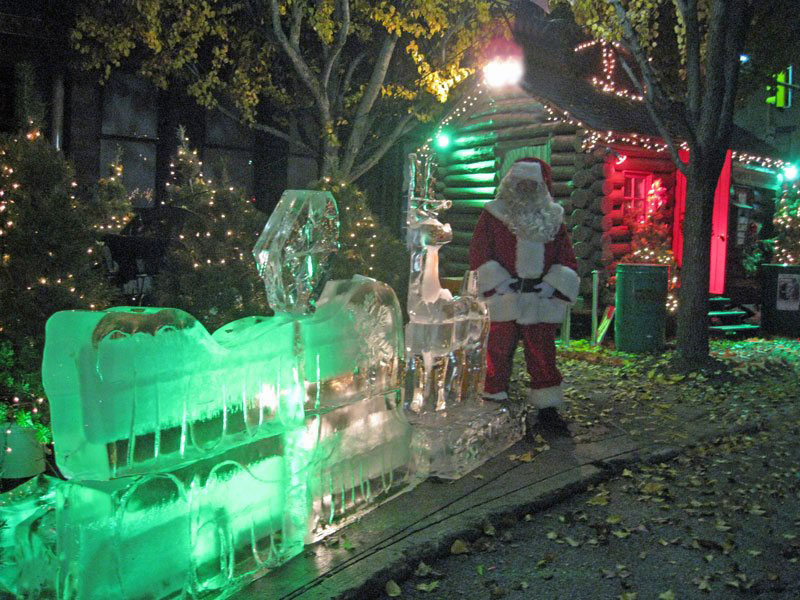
607	161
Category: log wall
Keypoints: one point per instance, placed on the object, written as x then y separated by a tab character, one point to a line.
468	173
588	186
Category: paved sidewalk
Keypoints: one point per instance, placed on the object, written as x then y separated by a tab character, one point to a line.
622	410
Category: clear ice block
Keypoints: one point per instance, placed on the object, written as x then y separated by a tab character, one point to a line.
446	350
295	247
361	458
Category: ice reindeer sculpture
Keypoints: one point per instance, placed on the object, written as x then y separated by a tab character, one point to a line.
196	460
446	348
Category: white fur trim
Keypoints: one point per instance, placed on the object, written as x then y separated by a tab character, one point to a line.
526	170
530	259
565	280
546	397
490	275
502	307
535	309
497	396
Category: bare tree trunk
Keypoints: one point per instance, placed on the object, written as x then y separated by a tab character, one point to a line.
692	334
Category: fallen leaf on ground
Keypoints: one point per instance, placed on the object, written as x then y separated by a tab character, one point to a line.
489	529
427	587
392	589
459	547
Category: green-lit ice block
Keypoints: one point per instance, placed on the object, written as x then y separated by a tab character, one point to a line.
200	531
140	390
28	553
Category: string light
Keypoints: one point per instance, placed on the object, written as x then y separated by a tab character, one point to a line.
607	84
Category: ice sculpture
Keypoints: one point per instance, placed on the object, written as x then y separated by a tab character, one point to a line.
201	529
293	250
445	349
28	554
138	390
198	460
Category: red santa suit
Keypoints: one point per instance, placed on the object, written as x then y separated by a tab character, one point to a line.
519	244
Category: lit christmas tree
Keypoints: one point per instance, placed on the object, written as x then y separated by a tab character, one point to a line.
786	243
209	271
651	237
367	247
51	253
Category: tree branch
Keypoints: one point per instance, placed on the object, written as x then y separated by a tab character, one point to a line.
736	30
632	44
301	67
297	23
649	88
375	156
341	38
694	81
348	77
660	127
371	93
265	128
714	72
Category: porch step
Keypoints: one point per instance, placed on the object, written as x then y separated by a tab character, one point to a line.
735	329
734	312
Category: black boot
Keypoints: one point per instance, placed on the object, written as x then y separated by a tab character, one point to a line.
549	420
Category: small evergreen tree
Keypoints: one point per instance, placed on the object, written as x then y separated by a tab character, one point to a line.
367	247
209	271
651	237
786	222
50	252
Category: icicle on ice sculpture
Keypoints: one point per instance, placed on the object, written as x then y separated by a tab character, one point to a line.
355	423
196	461
445	348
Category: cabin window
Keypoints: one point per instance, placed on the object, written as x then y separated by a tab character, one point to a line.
635	192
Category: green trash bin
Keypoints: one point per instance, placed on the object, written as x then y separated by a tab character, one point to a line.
780	300
641	307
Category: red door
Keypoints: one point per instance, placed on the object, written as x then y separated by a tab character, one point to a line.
719	223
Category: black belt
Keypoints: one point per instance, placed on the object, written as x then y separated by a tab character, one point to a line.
526	286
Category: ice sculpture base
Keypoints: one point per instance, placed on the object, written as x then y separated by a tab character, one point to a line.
454	442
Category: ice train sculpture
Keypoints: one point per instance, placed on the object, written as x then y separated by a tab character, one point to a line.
196	460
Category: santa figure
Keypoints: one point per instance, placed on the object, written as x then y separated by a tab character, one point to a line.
527	275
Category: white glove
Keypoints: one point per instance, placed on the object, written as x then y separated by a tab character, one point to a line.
504	287
545	290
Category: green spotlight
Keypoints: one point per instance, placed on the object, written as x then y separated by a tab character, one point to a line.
790	172
442	140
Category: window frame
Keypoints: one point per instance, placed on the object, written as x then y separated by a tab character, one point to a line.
629	202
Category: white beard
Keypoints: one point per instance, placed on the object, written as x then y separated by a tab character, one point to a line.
534	218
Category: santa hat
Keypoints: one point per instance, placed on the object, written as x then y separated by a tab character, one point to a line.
532	168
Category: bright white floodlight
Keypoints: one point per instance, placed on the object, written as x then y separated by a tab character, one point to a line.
503	72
